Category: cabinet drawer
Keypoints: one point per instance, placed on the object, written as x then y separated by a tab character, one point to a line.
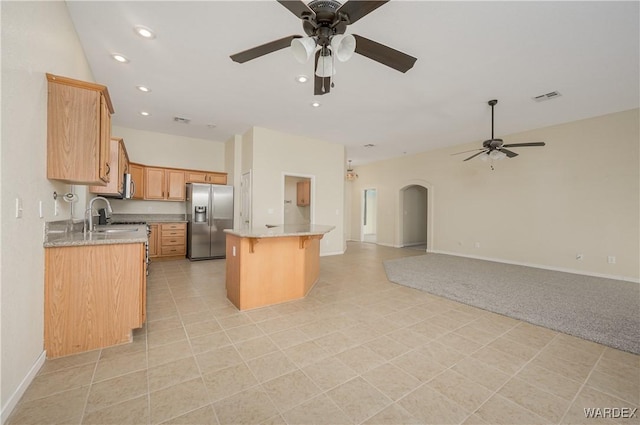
174	226
174	233
173	240
174	250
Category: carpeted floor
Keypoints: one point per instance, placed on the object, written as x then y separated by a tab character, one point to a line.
601	310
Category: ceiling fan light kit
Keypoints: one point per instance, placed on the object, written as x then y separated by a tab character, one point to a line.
325	23
494	149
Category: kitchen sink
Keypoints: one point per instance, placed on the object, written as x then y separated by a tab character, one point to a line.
118	230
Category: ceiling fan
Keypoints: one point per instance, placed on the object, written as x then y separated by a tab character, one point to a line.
325	22
494	148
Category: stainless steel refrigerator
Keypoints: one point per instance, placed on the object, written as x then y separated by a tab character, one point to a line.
209	212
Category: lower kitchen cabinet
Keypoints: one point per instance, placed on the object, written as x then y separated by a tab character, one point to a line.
168	240
94	296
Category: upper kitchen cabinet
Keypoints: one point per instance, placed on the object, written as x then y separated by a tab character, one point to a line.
137	178
304	193
164	184
78	131
119	163
206	177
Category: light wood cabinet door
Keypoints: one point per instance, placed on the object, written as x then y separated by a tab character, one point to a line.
154	183
137	177
153	240
304	193
78	131
119	163
175	185
205	177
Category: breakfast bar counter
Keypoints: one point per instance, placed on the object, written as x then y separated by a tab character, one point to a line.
271	265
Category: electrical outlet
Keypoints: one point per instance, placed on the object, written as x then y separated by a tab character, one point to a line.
611	259
18	208
56	207
579	257
40	211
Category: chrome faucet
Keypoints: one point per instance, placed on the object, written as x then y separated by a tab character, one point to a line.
90	211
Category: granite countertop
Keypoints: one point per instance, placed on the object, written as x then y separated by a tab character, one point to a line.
282	230
150	218
56	237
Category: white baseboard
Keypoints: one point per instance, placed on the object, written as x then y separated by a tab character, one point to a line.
413	244
19	392
540	266
326	254
389	245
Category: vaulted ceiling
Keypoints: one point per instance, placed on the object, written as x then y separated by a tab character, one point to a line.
468	53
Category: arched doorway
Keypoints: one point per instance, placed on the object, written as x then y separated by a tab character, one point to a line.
414	210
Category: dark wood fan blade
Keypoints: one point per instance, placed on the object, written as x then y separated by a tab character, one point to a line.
473	156
514	145
320	85
472	150
508	152
263	49
298	8
383	54
354	10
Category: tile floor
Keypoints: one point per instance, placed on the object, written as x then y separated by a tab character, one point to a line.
357	350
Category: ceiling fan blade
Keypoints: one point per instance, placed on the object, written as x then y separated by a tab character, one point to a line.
354	10
383	54
513	145
320	85
508	152
263	49
473	156
298	8
472	150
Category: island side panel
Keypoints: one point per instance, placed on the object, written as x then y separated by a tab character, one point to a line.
311	263
233	268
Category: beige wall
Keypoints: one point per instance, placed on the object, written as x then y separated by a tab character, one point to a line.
278	154
166	150
579	194
37	37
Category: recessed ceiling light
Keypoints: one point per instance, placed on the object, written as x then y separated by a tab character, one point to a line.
316	104
143	89
144	32
302	78
119	58
145	114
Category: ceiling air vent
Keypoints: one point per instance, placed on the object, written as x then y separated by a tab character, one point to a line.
182	120
547	96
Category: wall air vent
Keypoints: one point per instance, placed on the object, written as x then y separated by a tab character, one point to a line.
547	96
182	120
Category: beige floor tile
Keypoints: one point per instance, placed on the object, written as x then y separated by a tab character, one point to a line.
320	410
287	391
618	367
531	335
306	353
360	358
474	420
429	406
476	334
544	404
220	358
55	365
440	353
549	381
393	415
262	314
590	398
459	343
463	391
202	328
572	370
429	330
226	382
500	360
197	317
514	348
61	408
414	363
130	412
62	380
120	365
164	337
387	347
499	410
271	366
234	321
153	315
358	399
629	359
627	388
202	416
248	407
139	344
586	353
288	338
177	400
481	373
335	342
117	390
172	373
164	324
243	333
278	324
256	347
169	353
363	332
391	381
329	373
209	342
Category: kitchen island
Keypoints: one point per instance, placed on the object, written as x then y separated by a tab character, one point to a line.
272	265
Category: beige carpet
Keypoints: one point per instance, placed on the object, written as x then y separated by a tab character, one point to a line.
606	311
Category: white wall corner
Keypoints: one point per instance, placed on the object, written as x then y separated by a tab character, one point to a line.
14	398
